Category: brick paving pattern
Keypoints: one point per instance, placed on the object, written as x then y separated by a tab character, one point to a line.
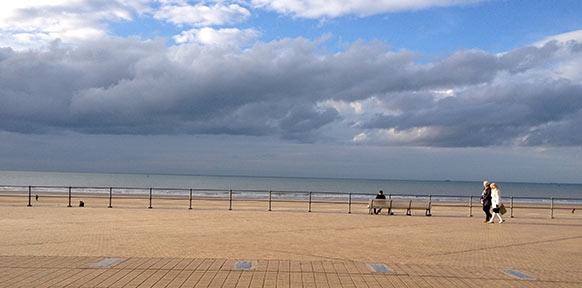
59	271
99	247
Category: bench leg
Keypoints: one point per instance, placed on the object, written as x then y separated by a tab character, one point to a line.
373	211
408	212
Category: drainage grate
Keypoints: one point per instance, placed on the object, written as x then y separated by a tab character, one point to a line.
380	268
244	265
108	262
519	274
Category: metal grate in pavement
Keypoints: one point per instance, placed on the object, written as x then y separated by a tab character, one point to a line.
519	274
380	268
107	262
244	265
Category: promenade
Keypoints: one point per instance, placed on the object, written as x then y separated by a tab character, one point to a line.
137	247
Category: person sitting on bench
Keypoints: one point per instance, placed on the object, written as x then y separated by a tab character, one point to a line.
380	195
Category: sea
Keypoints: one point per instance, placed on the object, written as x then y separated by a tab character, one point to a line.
360	188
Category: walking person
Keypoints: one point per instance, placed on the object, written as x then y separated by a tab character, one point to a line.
380	195
496	203
486	200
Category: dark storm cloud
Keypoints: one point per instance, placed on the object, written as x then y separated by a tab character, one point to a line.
276	89
543	113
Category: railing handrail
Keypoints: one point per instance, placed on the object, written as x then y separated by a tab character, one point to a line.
106	189
267	195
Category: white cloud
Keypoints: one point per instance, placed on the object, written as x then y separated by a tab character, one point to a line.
564	37
395	137
360	138
567	59
29	24
202	15
338	8
218	37
33	24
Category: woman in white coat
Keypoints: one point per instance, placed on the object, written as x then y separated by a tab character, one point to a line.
496	203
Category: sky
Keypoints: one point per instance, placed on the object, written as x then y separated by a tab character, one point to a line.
383	89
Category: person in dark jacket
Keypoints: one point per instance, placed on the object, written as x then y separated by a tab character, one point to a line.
380	195
486	201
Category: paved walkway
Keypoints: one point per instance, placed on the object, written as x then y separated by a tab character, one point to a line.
100	247
56	271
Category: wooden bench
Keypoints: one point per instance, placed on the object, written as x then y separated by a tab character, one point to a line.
400	204
378	204
420	205
407	205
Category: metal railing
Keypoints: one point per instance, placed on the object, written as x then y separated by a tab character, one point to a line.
183	196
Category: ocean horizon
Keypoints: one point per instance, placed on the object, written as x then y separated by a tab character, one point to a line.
359	187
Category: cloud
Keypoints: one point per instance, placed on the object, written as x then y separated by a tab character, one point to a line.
497	114
572	36
26	23
34	24
218	37
337	8
202	15
292	89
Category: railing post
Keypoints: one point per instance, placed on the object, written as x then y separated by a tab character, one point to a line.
151	190
230	199
350	203
511	207
270	199
470	206
190	200
552	208
110	197
29	196
309	210
70	197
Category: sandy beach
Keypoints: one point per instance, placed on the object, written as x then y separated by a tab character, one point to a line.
548	248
